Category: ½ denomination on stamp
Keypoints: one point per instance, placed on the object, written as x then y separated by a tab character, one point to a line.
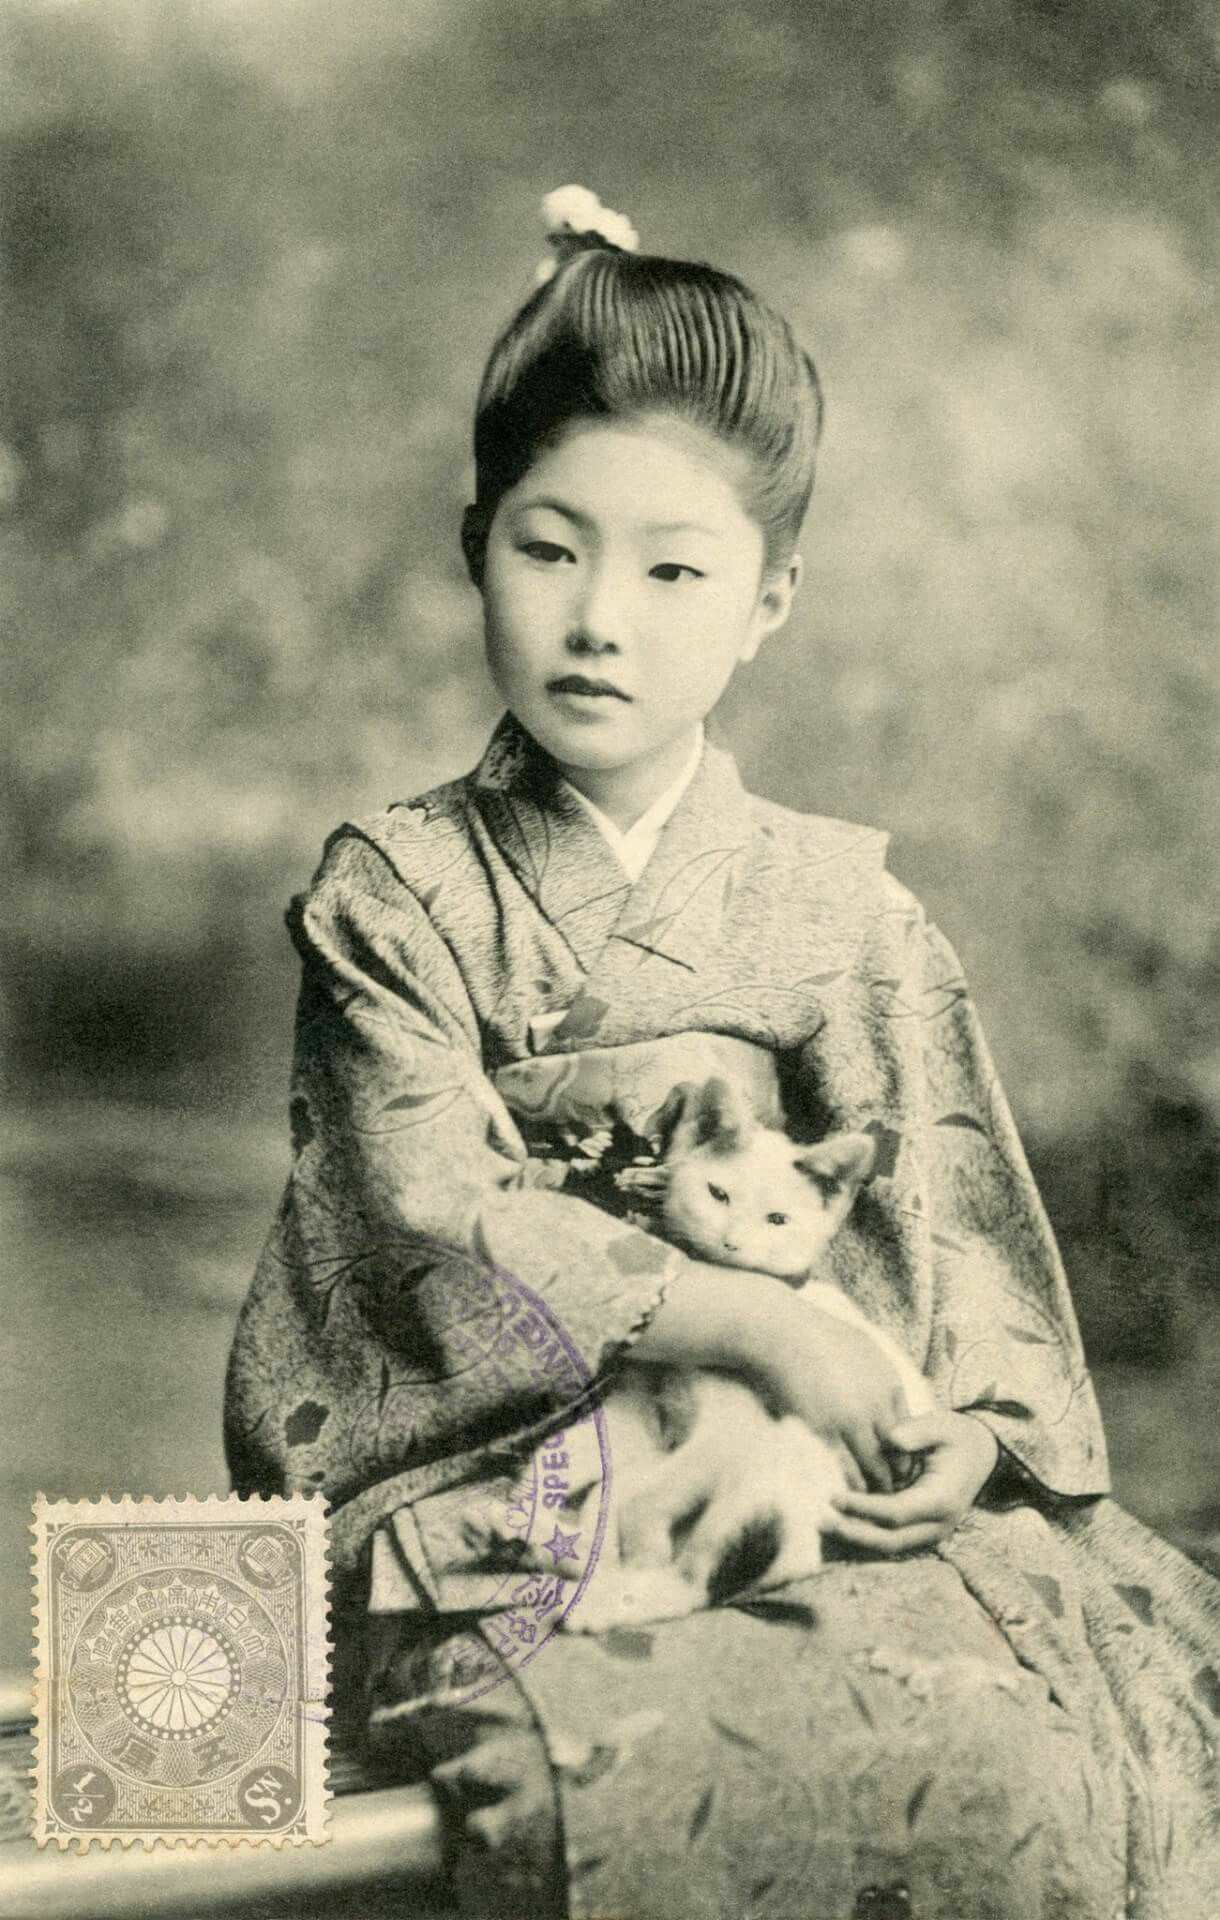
183	1668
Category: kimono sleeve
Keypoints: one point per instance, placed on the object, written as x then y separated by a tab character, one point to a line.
376	1307
1005	1331
954	1235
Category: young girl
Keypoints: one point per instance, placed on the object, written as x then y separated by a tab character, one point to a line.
1002	1699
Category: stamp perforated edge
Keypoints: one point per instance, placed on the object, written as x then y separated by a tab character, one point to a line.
310	1509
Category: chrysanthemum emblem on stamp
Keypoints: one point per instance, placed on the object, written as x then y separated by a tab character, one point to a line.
183	1668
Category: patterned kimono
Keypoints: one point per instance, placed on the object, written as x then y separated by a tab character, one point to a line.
1021	1723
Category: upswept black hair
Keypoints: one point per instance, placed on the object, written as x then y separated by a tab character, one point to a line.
616	334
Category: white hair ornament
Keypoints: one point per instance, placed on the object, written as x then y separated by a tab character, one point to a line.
571	213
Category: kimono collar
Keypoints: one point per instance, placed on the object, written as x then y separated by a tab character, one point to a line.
565	863
513	762
668	922
635	845
515	766
549	840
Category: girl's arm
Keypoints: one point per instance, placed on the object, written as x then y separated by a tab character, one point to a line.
801	1360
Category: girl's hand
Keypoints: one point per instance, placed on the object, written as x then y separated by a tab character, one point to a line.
833	1376
959	1453
800	1359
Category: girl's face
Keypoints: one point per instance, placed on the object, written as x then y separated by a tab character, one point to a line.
622	583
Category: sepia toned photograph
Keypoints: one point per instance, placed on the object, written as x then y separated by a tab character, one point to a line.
610	981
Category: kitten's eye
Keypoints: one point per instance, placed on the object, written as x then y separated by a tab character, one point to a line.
777	1219
718	1193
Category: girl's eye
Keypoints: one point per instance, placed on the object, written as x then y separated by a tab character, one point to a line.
670	571
718	1193
777	1219
545	550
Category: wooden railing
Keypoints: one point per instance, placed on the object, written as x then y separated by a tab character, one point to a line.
382	1859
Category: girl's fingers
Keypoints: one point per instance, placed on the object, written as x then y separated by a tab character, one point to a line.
873	1465
907	1468
927	1500
907	1509
866	1446
900	1413
851	1472
890	1540
918	1434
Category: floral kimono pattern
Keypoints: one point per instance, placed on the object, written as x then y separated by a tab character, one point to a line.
1023	1722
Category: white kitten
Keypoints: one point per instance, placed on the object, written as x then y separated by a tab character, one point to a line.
737	1194
743	1195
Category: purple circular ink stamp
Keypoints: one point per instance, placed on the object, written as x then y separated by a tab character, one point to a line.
533	1540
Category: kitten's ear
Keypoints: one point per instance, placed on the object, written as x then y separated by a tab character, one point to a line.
720	1118
673	1117
700	1116
840	1164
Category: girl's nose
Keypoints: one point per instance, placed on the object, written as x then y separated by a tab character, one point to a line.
583	642
599	619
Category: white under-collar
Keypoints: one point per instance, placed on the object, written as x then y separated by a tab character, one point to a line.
635	845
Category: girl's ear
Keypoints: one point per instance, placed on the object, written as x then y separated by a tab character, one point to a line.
774	604
839	1164
474	543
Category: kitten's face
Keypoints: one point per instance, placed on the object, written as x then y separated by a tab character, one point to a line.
750	1207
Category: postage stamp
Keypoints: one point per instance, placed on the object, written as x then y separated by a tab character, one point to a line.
183	1669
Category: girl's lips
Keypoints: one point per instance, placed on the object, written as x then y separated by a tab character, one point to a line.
577	683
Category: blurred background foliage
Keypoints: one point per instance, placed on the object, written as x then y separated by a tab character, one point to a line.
254	252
